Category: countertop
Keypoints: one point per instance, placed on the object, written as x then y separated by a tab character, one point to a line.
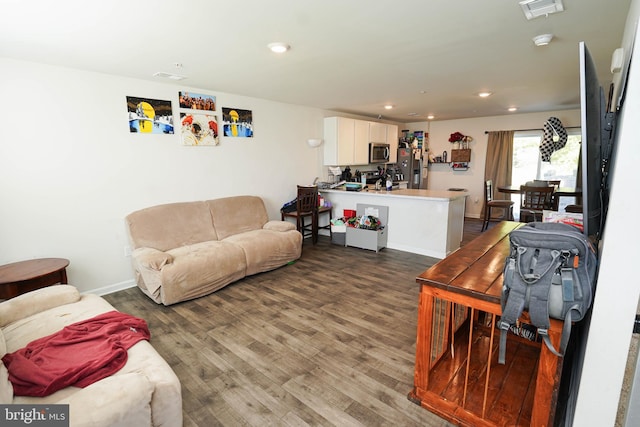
405	193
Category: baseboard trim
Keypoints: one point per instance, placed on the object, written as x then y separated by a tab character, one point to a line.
112	288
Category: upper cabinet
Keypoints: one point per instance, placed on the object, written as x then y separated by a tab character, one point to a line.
377	132
346	141
361	143
339	141
392	140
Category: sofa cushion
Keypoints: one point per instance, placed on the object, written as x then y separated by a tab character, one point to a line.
200	269
235	215
267	249
169	226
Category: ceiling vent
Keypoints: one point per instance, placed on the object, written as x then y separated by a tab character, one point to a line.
535	8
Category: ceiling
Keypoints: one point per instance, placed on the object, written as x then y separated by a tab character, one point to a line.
353	56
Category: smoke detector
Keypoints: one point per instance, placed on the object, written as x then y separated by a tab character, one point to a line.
542	39
535	8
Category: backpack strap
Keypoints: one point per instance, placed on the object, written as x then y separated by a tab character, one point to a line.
566	274
514	303
566	333
538	301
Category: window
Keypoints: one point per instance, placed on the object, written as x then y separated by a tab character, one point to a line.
528	166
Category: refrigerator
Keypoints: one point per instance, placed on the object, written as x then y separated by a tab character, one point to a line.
411	166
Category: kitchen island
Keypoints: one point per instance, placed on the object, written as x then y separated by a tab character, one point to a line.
425	222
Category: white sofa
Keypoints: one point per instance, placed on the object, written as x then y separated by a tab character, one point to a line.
145	392
186	250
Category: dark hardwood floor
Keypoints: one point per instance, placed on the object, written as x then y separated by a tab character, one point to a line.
327	340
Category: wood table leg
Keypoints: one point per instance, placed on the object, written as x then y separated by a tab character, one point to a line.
423	346
548	380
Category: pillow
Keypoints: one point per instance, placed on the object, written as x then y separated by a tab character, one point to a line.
36	301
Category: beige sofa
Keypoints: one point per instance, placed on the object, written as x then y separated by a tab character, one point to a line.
186	250
144	392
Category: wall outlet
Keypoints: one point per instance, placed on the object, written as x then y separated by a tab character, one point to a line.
127	251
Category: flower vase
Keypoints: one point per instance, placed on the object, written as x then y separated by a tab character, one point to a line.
456	145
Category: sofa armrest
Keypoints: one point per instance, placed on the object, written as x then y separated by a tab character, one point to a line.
279	226
122	400
152	258
36	301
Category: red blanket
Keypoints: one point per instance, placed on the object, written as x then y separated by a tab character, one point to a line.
80	354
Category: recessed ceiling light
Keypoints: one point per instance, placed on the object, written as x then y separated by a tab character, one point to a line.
430	117
484	94
512	109
278	47
412	114
168	76
388	107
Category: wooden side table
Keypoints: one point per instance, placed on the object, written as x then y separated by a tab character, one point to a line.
456	374
25	276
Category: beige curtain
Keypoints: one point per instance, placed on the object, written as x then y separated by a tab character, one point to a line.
499	163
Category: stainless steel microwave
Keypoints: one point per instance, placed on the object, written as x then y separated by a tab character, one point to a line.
379	153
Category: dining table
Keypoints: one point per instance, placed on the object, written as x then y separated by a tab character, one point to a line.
560	191
557	194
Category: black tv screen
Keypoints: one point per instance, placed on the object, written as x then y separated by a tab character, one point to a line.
593	109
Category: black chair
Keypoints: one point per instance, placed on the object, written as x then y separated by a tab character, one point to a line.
307	207
573	208
533	200
490	203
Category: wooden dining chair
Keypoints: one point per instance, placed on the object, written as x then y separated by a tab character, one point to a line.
555	183
490	203
533	200
307	207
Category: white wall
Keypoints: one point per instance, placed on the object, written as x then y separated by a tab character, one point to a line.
70	170
442	177
616	298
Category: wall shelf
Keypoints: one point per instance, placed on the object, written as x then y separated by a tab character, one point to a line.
461	156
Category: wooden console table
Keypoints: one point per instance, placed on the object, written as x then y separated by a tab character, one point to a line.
24	276
456	372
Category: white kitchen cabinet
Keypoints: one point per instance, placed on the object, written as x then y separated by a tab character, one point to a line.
392	140
346	141
377	132
361	143
339	141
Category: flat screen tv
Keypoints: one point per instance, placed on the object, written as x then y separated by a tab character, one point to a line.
597	137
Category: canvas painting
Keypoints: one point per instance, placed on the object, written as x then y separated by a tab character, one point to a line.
197	101
149	115
237	122
199	129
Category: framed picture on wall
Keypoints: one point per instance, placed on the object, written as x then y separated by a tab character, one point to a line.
149	115
237	122
197	101
198	129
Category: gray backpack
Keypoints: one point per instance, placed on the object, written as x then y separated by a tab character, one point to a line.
550	272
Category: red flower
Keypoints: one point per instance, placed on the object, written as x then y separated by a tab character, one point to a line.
456	136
